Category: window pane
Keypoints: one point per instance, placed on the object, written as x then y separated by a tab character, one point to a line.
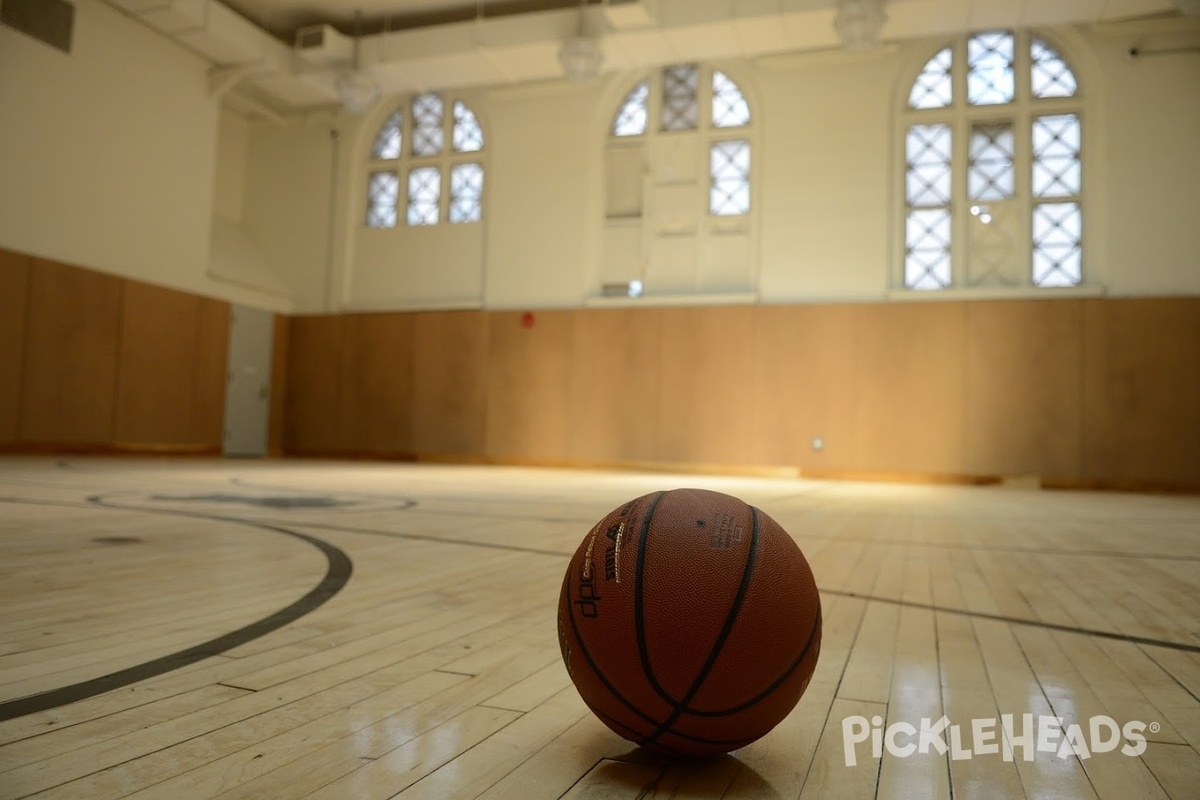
387	141
424	195
729	167
990	57
427	125
990	174
680	108
1057	244
1050	77
466	192
927	249
928	156
468	136
631	119
1056	166
729	108
933	88
382	191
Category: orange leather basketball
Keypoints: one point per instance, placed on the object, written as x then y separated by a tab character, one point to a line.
689	622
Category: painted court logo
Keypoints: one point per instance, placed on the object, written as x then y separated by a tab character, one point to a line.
983	737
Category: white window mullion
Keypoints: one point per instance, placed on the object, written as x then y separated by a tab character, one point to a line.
960	250
1022	227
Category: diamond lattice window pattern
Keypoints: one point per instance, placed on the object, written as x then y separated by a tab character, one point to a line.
927	255
427	131
468	136
1057	171
730	170
1057	246
990	172
729	107
680	107
928	155
1050	76
466	192
383	188
990	63
934	87
631	117
424	195
388	140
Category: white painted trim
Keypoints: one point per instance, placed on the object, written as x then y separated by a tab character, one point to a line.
997	293
409	304
738	299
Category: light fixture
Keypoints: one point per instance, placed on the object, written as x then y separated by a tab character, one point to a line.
581	55
356	89
860	23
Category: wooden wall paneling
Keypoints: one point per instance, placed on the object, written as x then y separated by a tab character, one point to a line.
449	401
1142	390
706	385
614	385
14	295
211	358
156	365
313	421
376	383
72	334
804	385
909	390
529	384
1024	392
279	361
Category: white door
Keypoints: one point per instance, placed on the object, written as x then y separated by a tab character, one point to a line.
248	382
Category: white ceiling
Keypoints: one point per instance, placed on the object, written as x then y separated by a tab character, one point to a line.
283	17
423	45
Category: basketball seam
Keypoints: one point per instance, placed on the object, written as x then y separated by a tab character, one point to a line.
787	673
611	721
638	605
624	700
730	619
637	737
774	685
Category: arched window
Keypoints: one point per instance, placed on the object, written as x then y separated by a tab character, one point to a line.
438	177
679	179
993	170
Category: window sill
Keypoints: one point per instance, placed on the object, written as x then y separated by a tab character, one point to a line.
651	300
995	293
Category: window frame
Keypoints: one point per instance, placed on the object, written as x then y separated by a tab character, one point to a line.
706	130
1021	113
406	161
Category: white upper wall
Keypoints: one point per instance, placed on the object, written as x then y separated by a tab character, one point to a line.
117	158
827	193
827	185
109	155
1151	130
229	187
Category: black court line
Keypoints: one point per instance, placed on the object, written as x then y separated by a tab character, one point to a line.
337	575
424	537
1000	548
1054	626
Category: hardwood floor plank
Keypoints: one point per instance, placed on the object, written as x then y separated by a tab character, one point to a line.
434	670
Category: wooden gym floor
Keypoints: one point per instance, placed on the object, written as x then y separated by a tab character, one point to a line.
279	629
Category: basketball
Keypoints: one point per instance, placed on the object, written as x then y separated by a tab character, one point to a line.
689	622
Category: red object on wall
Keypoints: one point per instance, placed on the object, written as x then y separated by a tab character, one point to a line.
528	319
